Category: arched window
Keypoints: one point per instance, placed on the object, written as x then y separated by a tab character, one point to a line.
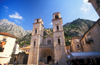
58	41
77	45
57	27
37	20
56	17
34	43
35	31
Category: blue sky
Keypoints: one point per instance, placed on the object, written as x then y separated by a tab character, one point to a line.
24	12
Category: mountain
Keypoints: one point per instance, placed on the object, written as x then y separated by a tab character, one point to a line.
12	28
75	28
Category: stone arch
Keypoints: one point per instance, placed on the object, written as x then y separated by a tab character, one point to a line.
56	17
46	55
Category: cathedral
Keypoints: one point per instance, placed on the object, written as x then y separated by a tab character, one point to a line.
52	48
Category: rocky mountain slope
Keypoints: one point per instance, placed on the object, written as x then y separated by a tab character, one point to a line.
78	27
75	28
12	28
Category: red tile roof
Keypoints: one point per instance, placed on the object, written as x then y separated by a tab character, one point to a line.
7	34
76	37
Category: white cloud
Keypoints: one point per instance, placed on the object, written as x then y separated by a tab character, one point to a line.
6	7
84	9
51	23
85	1
17	21
16	15
86	6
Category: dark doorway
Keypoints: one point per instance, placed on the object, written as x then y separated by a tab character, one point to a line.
48	59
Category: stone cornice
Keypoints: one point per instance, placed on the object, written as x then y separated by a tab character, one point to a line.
56	19
37	34
38	23
56	13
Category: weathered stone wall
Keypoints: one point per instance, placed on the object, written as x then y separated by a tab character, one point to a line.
60	57
45	41
74	45
93	33
37	37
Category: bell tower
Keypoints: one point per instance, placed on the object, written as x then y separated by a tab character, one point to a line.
59	40
36	40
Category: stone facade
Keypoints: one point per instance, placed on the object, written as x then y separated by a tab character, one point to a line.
59	40
75	44
7	42
96	5
36	40
50	50
91	39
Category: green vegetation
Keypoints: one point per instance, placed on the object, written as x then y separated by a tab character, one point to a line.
71	26
67	37
67	43
25	40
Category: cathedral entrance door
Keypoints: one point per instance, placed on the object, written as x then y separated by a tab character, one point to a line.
48	59
46	55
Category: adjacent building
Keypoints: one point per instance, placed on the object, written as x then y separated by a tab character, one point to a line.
75	44
20	58
96	5
68	50
25	49
7	42
91	39
16	49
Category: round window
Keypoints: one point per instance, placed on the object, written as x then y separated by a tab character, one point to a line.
49	41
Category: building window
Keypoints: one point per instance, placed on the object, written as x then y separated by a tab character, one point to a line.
89	33
49	41
57	28
1	46
34	43
35	31
58	41
1	49
77	45
88	36
37	20
56	16
4	39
